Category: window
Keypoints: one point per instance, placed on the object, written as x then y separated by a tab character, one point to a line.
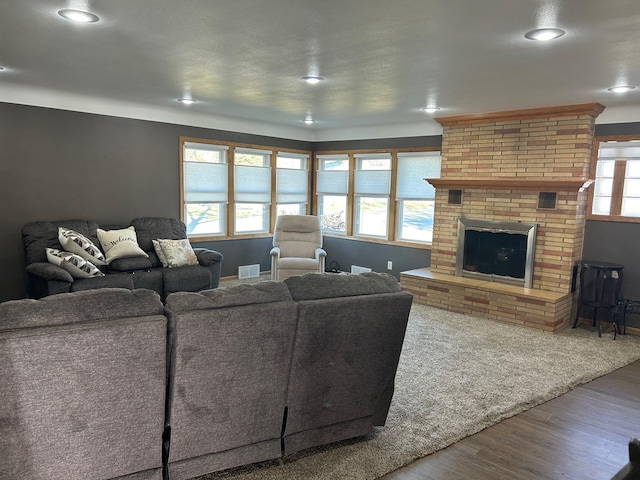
236	190
617	187
415	197
381	196
372	185
332	187
292	183
205	188
252	189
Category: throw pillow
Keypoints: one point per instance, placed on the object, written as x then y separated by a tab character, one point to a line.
120	243
77	266
77	243
177	252
160	253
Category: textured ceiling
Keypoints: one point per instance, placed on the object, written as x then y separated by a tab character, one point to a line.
383	60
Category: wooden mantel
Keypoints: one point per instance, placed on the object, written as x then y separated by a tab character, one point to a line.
513	183
591	109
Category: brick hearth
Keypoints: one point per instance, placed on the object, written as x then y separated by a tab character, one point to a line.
501	162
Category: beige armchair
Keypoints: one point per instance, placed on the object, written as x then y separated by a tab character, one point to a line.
297	246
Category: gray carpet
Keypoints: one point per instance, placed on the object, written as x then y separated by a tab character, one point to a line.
457	375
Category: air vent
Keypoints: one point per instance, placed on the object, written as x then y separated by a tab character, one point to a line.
357	269
248	271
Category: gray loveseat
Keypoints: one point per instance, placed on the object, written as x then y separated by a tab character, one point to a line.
44	278
106	384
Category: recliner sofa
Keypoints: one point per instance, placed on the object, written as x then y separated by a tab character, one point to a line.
44	278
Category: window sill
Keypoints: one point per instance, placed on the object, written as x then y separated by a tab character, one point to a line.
397	243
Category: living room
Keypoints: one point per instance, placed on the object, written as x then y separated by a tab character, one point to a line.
73	152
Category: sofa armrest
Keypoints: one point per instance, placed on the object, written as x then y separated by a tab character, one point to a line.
275	252
207	257
320	253
48	271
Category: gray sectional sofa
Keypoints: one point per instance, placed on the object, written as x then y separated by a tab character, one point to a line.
44	278
109	384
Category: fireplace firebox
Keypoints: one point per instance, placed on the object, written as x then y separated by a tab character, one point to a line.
496	251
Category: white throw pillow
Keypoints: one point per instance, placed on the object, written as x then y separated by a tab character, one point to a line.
77	243
177	252
120	243
77	266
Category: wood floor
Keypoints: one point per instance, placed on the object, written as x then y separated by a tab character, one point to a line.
581	435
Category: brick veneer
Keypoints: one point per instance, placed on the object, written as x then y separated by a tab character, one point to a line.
540	144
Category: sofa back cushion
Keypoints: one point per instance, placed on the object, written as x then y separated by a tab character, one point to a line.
230	360
315	286
40	235
79	307
348	344
82	397
153	228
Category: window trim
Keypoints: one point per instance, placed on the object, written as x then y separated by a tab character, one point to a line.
230	205
392	228
618	183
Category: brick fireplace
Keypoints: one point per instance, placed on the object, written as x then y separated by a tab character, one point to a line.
529	166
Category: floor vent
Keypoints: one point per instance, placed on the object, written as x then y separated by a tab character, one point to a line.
357	269
248	271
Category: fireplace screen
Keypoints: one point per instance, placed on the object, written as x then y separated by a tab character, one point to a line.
496	251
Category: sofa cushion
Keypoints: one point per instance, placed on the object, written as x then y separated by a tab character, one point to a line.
129	264
151	228
190	278
120	243
37	236
313	286
77	243
176	253
77	266
262	292
88	306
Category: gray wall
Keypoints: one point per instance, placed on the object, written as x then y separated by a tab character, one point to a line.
56	165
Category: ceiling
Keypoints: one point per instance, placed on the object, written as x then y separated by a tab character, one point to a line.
383	60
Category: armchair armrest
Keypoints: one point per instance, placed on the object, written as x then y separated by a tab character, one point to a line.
321	255
48	271
207	257
275	252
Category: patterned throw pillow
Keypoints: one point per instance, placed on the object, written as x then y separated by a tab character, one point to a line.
120	243
160	253
77	243
77	266
177	253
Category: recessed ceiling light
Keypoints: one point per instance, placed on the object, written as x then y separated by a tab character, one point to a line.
309	121
621	88
544	34
312	79
78	16
430	109
186	101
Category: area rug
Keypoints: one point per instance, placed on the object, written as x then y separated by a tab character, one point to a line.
457	375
